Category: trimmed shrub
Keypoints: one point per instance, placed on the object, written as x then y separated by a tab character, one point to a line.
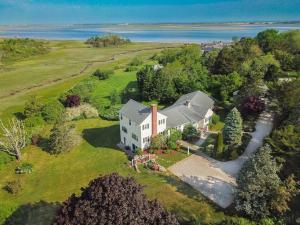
24	168
72	101
103	74
190	133
14	187
52	111
85	111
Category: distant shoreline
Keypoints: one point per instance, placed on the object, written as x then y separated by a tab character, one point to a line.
155	32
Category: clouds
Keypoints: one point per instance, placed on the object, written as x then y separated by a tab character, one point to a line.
116	11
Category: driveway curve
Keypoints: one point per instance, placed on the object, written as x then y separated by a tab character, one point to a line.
215	179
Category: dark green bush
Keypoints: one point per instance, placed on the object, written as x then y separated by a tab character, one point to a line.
34	121
24	168
190	133
107	41
103	74
52	111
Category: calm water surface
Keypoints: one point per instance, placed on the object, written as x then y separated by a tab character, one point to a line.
202	34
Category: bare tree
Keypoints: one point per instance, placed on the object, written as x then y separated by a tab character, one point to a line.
13	138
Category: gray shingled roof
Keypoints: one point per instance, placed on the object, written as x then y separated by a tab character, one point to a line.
135	111
180	113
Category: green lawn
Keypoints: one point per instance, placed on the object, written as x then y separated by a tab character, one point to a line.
56	177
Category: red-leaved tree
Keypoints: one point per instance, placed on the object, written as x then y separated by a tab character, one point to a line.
72	100
113	199
252	106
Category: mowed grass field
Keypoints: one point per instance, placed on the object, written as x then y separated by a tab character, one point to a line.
55	178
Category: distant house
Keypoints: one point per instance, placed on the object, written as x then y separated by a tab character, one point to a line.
139	123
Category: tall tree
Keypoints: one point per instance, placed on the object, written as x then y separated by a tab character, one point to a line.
13	138
112	199
260	191
233	129
63	137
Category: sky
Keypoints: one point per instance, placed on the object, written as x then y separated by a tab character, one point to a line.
146	11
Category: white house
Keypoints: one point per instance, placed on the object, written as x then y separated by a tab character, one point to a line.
138	123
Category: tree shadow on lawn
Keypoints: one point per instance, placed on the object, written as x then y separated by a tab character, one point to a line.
40	213
107	137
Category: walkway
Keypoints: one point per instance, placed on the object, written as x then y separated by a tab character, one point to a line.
217	180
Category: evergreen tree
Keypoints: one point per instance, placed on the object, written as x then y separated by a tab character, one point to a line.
233	129
62	138
260	191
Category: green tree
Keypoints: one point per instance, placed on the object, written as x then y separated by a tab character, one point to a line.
229	84
189	132
32	107
63	137
52	111
268	40
233	128
259	192
175	135
219	147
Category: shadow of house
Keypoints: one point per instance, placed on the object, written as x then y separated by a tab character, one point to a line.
107	137
40	213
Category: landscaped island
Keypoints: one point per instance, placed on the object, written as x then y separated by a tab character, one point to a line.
60	108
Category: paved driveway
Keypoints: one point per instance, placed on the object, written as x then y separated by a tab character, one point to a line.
217	180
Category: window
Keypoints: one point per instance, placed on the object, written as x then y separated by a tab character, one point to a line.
134	136
124	129
146	140
129	122
161	121
121	116
145	126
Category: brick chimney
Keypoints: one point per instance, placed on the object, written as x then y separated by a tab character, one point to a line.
154	119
